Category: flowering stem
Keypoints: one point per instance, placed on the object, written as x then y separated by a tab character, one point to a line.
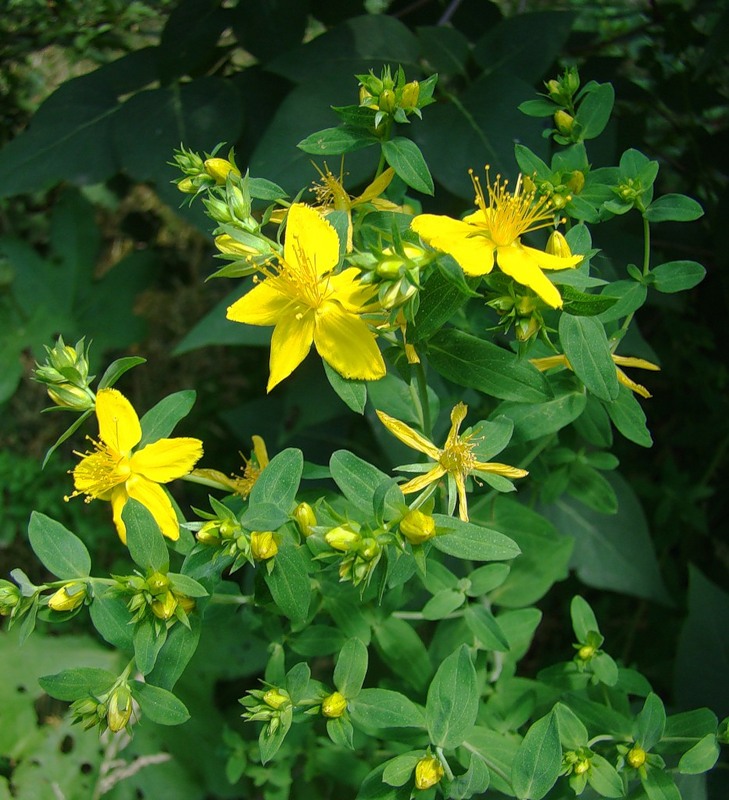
446	766
425	419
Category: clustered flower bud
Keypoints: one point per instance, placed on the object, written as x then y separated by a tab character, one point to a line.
154	595
9	598
65	374
394	97
263	545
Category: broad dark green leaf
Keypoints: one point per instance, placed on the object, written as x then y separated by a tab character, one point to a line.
650	722
472	542
144	539
538	760
59	550
336	141
289	583
677	276
159	705
383	708
586	346
485	628
351	668
659	785
594	110
533	420
673	208
148	641
701	757
176	653
279	481
112	619
479	364
404	156
357	479
160	420
447	48
403	651
453	697
72	684
628	417
352	392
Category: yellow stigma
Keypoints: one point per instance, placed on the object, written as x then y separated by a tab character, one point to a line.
330	192
100	470
509	215
299	282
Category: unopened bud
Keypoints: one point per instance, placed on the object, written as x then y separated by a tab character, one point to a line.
417	527
164	607
209	533
9	597
526	328
187	604
157	582
369	548
119	710
305	518
564	122
342	539
387	101
582	766
68	597
555	90
365	98
428	772
334	705
557	245
218	169
263	545
66	395
410	94
187	186
276	699
576	181
636	757
586	652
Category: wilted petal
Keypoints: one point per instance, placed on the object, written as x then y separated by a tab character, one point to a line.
632	385
167	459
468	244
416	484
517	262
640	363
499	469
409	436
118	421
345	342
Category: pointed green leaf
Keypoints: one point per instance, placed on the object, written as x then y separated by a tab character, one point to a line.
60	551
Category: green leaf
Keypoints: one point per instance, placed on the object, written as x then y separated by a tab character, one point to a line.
341	732
447	48
631	296
594	110
582	304
117	368
701	757
269	743
572	733
264	517
148	641
443	603
611	552
440	298
475	780
351	668
289	583
159	705
453	696
478	364
112	619
659	785
677	276
586	347
650	722
279	481
583	619
538	760
404	156
383	708
473	542
592	489
359	480
398	770
628	417
336	141
318	640
673	208
297	681
534	420
144	539
60	551
529	162
352	392
483	625
73	684
403	651
541	107
498	751
160	420
604	778
175	654
374	788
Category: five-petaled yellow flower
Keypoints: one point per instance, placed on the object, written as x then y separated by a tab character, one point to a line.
494	231
561	360
240	485
115	471
456	458
309	304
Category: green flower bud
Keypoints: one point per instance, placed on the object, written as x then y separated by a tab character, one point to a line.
186	185
276	699
164	607
334	705
157	582
218	169
557	245
417	527
410	94
119	709
636	757
586	652
576	181
68	597
564	122
369	548
9	597
387	101
66	395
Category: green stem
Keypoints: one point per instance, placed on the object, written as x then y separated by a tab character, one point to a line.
618	335
386	135
232	599
423	397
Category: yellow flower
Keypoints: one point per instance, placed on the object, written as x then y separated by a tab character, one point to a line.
115	471
428	772
332	196
543	364
240	485
455	459
494	231
308	304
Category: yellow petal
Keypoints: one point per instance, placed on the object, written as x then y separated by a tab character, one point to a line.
458	414
499	469
260	451
167	459
348	291
632	385
119	498
263	305
153	498
468	244
543	364
345	342
548	261
309	237
376	188
290	344
416	484
409	436
640	363
516	261
460	479
118	421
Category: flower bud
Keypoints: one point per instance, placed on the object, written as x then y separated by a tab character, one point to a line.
582	766
365	98
564	122
417	527
164	607
526	328
369	548
387	101
557	245
157	582
209	533
571	80
428	772
263	545
119	710
218	169
276	699
66	395
9	597
410	94
586	652
68	597
334	705
305	518
230	247
576	181
636	757
186	185
342	539
555	90
218	210
187	604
